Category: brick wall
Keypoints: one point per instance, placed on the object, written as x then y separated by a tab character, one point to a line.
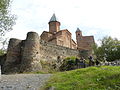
54	26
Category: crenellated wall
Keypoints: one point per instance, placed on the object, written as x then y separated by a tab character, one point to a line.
25	55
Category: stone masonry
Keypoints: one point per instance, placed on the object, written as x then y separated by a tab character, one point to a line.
25	55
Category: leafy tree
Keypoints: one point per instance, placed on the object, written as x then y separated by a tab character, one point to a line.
98	51
108	50
7	20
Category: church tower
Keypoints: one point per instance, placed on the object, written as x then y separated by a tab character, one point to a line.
54	24
78	36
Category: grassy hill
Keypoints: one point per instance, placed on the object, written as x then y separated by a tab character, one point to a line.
91	78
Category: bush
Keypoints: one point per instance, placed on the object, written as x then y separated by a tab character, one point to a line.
48	67
68	64
2	52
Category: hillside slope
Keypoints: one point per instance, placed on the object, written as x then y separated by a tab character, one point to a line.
91	78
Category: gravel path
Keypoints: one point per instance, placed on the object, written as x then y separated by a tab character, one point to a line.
23	81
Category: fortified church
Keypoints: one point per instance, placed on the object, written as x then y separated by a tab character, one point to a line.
64	37
55	45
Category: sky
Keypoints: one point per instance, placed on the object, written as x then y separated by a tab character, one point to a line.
93	17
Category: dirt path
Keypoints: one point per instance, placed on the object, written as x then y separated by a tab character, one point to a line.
23	81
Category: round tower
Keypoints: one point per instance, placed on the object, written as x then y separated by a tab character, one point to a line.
54	24
78	36
31	53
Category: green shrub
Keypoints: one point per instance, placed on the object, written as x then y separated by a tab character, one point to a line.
70	58
68	64
48	67
2	52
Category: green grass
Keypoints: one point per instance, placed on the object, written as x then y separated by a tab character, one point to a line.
70	58
92	78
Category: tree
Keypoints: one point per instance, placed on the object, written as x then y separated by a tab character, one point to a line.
108	50
7	20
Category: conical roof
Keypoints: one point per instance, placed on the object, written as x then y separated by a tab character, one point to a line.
78	30
53	18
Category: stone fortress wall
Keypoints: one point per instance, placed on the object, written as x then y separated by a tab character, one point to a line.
25	55
50	51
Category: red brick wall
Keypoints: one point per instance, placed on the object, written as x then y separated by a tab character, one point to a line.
46	36
54	26
64	39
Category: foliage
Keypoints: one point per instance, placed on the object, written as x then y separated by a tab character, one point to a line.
109	49
7	20
48	66
92	78
70	58
3	44
1	52
84	53
68	64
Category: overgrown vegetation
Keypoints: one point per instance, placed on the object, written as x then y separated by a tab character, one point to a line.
108	50
2	52
91	78
48	67
68	64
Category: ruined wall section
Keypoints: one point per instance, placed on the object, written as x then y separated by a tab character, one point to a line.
51	52
13	57
23	55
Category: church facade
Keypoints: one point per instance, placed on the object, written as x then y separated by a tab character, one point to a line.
64	37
